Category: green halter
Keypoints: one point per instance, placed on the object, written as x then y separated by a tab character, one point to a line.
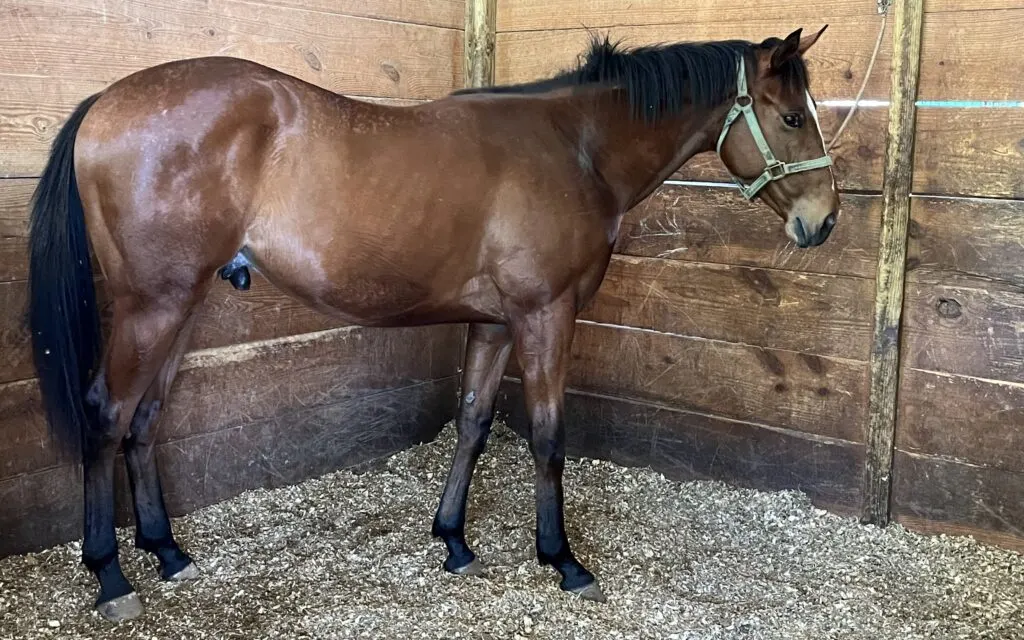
774	169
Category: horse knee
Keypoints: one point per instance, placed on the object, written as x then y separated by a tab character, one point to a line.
548	452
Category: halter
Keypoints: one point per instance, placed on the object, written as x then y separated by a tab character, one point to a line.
774	169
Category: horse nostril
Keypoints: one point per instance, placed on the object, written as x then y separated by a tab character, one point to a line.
830	221
802	237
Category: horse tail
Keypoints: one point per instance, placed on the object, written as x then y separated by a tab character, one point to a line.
62	313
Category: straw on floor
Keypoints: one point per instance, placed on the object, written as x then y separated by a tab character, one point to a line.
349	555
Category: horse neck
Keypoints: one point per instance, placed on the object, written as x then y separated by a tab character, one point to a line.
634	157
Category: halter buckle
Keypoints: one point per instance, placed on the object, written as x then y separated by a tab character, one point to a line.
776	171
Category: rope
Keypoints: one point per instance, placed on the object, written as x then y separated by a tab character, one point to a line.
867	74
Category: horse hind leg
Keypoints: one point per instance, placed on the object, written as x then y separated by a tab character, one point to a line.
152	524
487	352
142	334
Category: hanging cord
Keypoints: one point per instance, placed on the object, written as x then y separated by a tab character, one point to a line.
867	74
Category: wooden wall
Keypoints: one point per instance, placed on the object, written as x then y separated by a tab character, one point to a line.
714	349
272	392
959	461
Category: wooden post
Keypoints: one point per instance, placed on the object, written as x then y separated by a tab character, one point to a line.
897	181
479	42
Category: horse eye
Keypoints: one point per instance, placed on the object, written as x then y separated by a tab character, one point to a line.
793	120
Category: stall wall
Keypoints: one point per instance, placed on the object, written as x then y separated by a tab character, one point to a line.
959	464
714	348
271	392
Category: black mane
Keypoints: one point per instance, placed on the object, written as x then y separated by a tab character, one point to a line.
661	80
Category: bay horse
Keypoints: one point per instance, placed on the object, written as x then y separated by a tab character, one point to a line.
505	218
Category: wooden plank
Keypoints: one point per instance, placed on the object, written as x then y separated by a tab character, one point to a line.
814	314
479	42
973	238
534	15
439	13
43	509
716	225
892	257
14	201
858	156
970	152
963	419
689	446
965	55
971	331
932	495
800	392
341	53
836	63
228	387
958	6
228	317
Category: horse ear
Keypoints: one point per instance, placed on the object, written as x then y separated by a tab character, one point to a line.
807	42
786	50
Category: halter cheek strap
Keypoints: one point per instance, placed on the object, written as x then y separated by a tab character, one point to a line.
774	169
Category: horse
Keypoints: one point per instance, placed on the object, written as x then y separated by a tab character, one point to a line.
201	169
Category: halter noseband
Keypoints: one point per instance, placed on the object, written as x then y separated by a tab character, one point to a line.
774	169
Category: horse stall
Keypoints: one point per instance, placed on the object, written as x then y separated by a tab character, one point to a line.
763	440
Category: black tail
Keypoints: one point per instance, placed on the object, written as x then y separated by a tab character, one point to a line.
62	313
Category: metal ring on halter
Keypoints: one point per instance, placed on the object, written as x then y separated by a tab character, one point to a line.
774	169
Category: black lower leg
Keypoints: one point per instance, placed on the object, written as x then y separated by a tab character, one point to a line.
552	543
450	520
152	525
99	546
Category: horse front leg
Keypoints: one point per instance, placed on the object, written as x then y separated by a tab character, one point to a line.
543	339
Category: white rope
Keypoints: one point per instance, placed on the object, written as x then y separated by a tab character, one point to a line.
863	85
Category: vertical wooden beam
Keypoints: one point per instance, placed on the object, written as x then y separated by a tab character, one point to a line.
897	181
479	42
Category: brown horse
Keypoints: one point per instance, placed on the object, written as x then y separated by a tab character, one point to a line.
505	219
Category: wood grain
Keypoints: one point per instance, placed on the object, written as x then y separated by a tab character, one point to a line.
963	419
965	55
690	446
439	13
959	6
970	152
43	508
892	257
942	496
836	63
821	315
533	15
228	317
351	55
971	331
223	388
800	392
479	39
970	239
716	225
14	202
857	156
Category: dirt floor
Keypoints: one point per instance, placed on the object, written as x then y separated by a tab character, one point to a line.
349	555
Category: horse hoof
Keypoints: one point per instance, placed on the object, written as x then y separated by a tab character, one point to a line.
590	592
121	609
191	572
474	568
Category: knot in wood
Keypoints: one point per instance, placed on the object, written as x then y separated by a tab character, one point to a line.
949	308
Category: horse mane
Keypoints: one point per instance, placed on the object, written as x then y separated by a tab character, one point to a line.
660	80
